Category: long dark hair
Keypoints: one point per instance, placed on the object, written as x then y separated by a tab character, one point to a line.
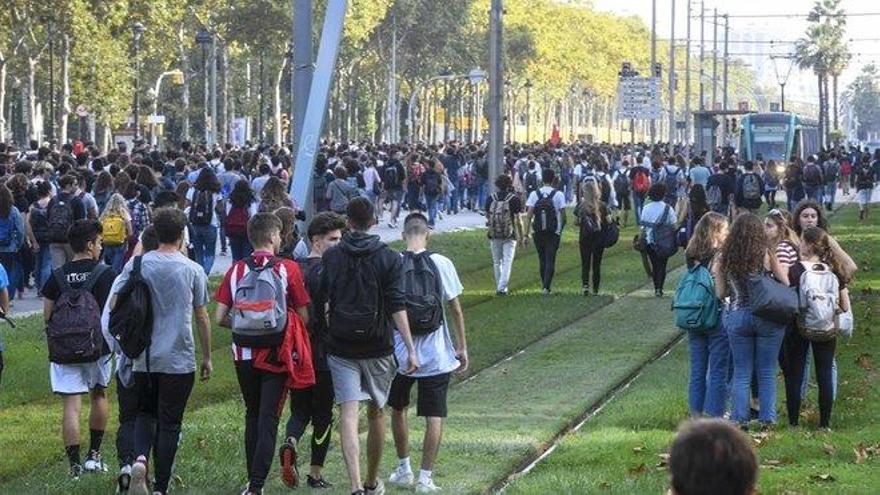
743	252
207	181
822	221
104	183
6	201
697	201
242	196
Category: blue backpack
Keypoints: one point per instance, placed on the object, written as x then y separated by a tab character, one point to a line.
695	304
6	231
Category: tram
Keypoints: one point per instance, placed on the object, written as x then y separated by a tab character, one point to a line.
778	136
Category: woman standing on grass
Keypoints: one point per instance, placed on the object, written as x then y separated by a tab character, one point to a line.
592	216
754	341
816	255
709	349
12	236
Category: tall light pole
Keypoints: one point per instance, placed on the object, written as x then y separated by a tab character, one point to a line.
726	59
528	87
137	30
687	79
154	92
715	59
702	53
213	133
654	55
496	90
203	38
672	78
51	23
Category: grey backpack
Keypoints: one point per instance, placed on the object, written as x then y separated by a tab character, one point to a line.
259	311
818	292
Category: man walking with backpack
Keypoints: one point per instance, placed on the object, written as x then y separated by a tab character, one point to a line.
814	180
74	296
749	190
393	176
63	210
640	176
259	338
164	374
546	214
831	171
432	183
430	280
504	229
362	281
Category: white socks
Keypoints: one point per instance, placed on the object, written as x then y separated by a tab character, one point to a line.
424	475
403	465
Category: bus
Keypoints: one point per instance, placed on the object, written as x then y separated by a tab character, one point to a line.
778	136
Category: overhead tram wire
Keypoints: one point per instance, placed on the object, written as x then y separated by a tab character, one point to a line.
802	15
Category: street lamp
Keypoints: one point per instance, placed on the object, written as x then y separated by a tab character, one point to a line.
137	30
50	23
476	76
154	93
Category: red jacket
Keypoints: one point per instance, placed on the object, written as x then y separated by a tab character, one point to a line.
293	357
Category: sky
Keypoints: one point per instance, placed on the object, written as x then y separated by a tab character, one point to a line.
782	28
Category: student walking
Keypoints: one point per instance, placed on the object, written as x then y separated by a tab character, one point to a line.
658	229
818	272
259	337
430	283
79	356
754	341
591	218
240	208
205	205
546	215
164	375
116	225
39	235
64	209
13	235
504	230
865	176
708	347
313	404
360	346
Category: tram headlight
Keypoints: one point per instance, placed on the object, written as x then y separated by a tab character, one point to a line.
780	168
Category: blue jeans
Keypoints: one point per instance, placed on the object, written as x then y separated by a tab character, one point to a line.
455	197
113	256
482	192
14	271
432	208
794	196
754	346
830	193
204	240
42	266
707	389
638	204
814	193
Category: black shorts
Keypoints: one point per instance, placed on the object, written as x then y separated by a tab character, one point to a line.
432	394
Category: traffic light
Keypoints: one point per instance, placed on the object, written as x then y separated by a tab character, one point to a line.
285	124
625	70
733	127
657	69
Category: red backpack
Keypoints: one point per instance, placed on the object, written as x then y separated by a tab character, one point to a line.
236	222
641	182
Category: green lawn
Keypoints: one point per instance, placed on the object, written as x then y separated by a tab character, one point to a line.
618	451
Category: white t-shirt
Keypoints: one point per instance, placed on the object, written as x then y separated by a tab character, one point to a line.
215	220
435	351
558	203
371	175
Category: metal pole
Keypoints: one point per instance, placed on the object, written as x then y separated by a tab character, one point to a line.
261	100
302	66
206	92
672	77
715	59
529	113
496	91
319	92
213	133
702	53
687	80
446	110
653	55
782	88
393	111
52	87
726	58
137	89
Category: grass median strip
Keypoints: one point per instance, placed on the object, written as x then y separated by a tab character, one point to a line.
618	451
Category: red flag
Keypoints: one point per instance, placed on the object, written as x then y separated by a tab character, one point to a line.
554	136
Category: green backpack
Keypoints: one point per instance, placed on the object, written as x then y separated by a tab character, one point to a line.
695	304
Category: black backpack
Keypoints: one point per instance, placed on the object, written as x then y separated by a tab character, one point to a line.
391	176
355	301
39	220
74	331
812	175
59	217
131	319
545	220
423	291
201	212
531	182
621	184
431	182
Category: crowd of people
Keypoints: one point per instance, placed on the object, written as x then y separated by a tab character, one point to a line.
125	241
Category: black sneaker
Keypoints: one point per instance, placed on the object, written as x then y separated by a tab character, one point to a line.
76	471
317	482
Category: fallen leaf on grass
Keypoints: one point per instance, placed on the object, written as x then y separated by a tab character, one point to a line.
760	438
864	361
823	478
664	460
640	469
771	464
639	449
829	449
861	454
178	482
202	443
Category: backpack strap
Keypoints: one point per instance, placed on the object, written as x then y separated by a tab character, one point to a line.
97	271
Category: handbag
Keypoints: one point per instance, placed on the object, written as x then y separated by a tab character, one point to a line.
772	300
640	241
610	233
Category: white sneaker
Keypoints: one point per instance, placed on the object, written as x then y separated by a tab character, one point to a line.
379	489
138	484
94	463
123	479
427	486
399	477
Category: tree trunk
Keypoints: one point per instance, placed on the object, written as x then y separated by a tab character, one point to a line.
224	98
821	129
184	64
64	107
3	136
834	93
32	131
278	131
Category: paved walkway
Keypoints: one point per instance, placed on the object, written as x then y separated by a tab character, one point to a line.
29	304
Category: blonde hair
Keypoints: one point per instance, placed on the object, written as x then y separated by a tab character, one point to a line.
704	242
116	206
590	200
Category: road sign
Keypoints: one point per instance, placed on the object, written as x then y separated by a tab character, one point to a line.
155	119
639	98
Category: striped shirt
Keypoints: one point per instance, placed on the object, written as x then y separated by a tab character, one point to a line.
786	253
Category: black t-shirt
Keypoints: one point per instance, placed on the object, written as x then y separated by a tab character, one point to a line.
725	182
77	273
515	202
76	204
311	271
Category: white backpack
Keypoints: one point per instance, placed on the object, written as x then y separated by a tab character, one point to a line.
818	292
